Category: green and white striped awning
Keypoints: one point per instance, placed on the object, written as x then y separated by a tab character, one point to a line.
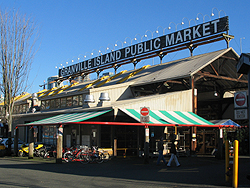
168	117
66	118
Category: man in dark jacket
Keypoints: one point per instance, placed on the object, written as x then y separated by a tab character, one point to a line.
173	155
160	149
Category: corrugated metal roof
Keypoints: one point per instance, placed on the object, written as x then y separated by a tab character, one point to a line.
172	70
180	68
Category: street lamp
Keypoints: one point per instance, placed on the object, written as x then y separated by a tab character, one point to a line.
150	32
169	27
212	14
85	55
157	30
79	57
92	53
125	41
135	38
109	48
117	44
182	22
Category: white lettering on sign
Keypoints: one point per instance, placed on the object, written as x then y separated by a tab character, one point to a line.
142	48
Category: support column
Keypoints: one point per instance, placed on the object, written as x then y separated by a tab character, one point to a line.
193	129
161	55
31	143
16	135
59	144
146	146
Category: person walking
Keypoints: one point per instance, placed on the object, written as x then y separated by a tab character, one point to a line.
173	155
160	149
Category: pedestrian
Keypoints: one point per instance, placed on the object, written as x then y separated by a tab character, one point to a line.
160	149
173	155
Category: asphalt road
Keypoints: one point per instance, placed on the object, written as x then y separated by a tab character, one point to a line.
130	172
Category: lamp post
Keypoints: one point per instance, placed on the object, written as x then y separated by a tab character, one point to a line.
182	22
157	30
150	32
92	53
100	51
125	41
85	55
169	26
117	44
212	14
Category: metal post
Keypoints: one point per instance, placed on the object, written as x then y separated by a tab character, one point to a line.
235	164
115	147
227	160
146	146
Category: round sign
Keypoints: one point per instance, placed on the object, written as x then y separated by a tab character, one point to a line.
240	99
144	111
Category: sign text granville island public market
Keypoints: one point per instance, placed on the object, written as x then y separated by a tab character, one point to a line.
185	35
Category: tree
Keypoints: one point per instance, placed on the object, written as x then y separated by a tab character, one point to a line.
17	50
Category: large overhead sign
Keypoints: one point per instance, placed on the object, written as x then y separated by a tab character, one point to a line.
186	35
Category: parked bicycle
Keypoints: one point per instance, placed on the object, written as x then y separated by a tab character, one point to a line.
76	154
94	155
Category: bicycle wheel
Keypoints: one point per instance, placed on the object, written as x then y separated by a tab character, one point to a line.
20	153
106	157
68	156
84	158
42	153
99	158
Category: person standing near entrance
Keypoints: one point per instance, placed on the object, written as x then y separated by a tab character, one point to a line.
160	149
173	155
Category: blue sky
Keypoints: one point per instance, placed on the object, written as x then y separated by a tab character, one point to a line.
71	29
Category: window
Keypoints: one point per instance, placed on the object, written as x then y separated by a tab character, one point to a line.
24	108
75	100
49	135
58	103
47	104
69	101
80	100
63	102
52	104
43	105
18	109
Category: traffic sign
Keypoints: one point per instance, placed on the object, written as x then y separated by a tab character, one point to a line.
145	111
240	99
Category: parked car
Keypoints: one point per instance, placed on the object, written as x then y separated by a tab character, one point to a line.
4	142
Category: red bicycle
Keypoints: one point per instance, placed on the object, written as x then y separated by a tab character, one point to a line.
76	154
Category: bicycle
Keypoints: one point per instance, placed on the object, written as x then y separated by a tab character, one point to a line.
104	155
76	154
91	156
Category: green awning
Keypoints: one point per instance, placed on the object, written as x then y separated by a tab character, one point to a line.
72	117
168	117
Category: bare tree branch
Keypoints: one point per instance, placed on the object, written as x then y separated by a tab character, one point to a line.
17	42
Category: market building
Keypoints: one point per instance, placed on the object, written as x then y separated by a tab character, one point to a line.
182	96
